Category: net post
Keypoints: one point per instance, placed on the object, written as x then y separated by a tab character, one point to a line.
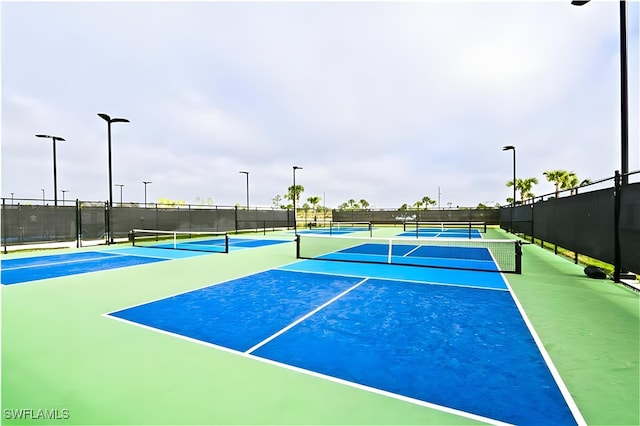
4	232
297	246
518	257
226	242
370	229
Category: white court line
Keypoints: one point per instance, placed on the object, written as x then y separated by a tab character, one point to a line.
547	358
299	320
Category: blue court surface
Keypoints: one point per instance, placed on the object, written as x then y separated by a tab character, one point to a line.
236	243
20	270
424	336
26	269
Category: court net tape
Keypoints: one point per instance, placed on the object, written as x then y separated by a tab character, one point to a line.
214	242
449	253
449	227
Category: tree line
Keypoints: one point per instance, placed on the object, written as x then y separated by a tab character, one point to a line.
562	179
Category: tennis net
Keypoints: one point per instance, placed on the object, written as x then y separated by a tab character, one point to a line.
348	227
215	242
449	253
449	227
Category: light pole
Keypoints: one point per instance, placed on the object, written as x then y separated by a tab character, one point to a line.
42	196
55	177
513	206
110	120
295	196
624	103
246	173
120	185
145	191
619	273
63	191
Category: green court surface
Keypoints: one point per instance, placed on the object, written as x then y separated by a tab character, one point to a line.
61	353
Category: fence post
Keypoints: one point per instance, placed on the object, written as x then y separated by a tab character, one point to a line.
4	232
107	222
78	229
616	231
235	208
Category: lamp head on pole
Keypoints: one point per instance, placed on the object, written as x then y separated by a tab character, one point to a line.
108	119
579	2
508	147
55	138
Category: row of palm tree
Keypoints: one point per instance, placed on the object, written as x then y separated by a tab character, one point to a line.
352	204
562	180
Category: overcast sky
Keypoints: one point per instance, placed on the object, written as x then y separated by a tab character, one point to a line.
386	101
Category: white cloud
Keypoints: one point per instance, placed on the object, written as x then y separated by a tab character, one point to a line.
382	101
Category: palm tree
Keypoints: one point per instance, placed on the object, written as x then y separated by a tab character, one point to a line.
364	204
524	187
353	204
293	194
417	204
427	201
570	182
315	200
557	177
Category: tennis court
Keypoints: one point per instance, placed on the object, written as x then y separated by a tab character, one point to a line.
20	270
257	336
420	339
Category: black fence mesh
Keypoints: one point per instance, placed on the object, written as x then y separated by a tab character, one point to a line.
630	227
489	216
584	223
91	221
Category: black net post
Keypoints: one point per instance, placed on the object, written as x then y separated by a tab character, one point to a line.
297	246
518	257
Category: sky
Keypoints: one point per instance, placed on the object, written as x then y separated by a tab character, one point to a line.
383	101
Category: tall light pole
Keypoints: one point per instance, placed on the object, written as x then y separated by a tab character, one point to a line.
63	191
624	103
295	196
145	191
120	185
513	205
246	173
110	120
42	196
55	177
